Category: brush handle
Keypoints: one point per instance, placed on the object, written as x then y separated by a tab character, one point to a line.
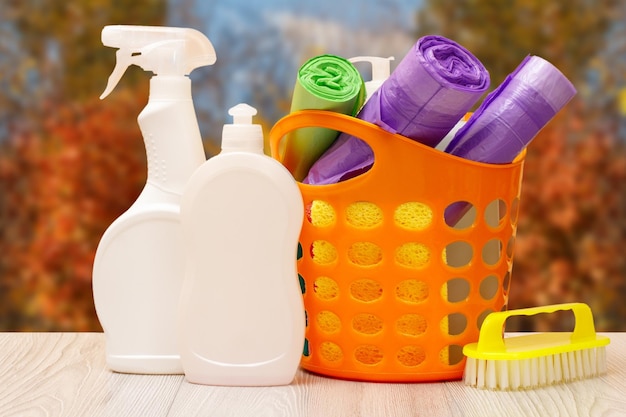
492	330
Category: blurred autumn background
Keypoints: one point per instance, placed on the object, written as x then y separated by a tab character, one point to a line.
70	163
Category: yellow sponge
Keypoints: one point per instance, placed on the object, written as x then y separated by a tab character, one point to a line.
365	253
413	216
325	288
366	290
444	355
321	214
367	323
364	215
323	252
413	255
328	321
411	324
411	355
331	352
412	291
368	354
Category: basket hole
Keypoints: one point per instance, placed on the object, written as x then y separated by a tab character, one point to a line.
412	291
305	349
458	254
510	247
302	283
323	252
455	290
514	211
506	282
368	354
482	316
492	252
495	212
367	323
331	351
411	325
460	215
453	324
325	288
413	216
320	213
451	355
366	290
365	253
411	355
364	215
489	287
299	253
328	321
413	255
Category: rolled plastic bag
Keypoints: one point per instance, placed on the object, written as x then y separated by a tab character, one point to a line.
324	82
430	90
510	117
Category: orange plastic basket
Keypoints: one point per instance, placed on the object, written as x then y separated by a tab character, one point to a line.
391	291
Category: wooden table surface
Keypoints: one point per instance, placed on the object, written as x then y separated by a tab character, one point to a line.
64	374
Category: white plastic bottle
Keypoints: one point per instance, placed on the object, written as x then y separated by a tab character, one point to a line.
381	68
241	313
139	265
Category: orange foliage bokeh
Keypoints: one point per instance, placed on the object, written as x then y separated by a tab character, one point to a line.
63	187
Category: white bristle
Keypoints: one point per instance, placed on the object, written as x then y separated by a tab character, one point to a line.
543	370
480	372
535	372
565	364
601	360
558	368
503	374
526	373
580	370
550	378
491	378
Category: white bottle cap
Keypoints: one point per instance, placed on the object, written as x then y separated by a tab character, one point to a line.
242	135
380	71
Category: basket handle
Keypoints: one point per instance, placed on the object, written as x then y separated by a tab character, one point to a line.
373	135
491	334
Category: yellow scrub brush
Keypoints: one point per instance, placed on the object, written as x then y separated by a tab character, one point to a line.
536	359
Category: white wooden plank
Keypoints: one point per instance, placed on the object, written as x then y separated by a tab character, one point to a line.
64	374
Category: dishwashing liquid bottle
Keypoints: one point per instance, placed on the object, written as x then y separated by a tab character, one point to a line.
139	264
241	313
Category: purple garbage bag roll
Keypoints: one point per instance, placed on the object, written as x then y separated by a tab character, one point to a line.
430	90
510	117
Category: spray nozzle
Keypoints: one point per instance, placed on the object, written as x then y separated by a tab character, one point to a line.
162	50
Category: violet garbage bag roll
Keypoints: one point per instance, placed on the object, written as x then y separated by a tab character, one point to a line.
430	90
512	115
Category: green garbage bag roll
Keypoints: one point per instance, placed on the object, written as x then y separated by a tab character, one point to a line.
324	82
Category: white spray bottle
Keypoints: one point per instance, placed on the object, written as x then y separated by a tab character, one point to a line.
139	265
381	68
241	312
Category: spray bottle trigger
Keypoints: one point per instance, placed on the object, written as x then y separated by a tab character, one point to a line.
123	61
